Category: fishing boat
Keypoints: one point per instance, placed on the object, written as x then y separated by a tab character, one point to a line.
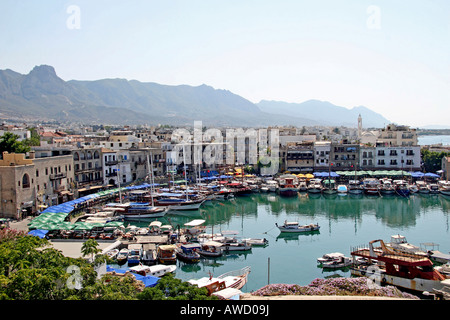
401	269
149	254
386	187
354	187
401	188
329	186
167	254
188	252
302	185
296	227
315	186
122	256
233	245
158	270
371	187
224	193
112	254
434	188
423	187
211	249
288	185
413	188
272	185
233	279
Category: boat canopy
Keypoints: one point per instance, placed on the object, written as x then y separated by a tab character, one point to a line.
195	223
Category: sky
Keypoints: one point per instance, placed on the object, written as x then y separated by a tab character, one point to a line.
390	56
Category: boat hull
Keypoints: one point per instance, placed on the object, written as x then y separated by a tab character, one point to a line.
288	192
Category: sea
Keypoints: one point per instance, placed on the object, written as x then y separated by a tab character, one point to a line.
346	221
434	139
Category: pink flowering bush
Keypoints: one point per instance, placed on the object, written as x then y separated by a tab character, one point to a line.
333	286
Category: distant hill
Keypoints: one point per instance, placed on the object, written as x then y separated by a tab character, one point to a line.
326	113
42	94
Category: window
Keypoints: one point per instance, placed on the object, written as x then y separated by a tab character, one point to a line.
25	181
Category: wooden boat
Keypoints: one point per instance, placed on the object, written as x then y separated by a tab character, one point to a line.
444	187
401	269
233	279
328	257
188	253
158	270
401	188
211	249
423	187
371	187
167	254
149	254
233	244
329	186
354	187
112	254
138	210
256	242
315	186
288	186
122	256
386	188
434	188
296	227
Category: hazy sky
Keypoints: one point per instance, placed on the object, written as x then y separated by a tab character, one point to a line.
390	56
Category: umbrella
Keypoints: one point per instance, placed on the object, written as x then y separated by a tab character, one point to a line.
431	175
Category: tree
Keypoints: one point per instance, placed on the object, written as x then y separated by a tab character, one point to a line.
10	142
89	247
432	160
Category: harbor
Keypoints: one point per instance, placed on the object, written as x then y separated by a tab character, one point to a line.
342	221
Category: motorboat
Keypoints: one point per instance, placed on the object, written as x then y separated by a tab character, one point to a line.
401	188
122	256
399	242
188	252
149	254
444	187
296	227
329	257
134	254
386	187
158	270
434	188
256	241
329	186
342	189
272	185
371	187
233	279
195	227
340	262
211	249
423	187
235	245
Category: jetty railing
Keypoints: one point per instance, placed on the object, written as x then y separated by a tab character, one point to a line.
236	273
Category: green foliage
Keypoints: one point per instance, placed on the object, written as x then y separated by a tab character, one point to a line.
432	160
10	142
31	269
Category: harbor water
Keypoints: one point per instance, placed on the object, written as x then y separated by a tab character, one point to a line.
345	221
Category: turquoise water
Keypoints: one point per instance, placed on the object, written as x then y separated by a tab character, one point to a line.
345	221
427	140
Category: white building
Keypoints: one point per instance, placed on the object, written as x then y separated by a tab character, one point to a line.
397	158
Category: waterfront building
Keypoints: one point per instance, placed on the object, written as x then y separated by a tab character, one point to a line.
367	155
28	184
395	135
321	155
299	157
344	156
397	158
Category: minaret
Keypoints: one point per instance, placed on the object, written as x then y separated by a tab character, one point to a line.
359	127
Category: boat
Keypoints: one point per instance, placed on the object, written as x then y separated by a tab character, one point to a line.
288	185
444	187
386	187
264	188
225	193
138	210
355	187
233	279
401	188
256	242
328	257
167	253
122	256
371	187
296	227
238	188
338	263
399	242
177	201
195	227
158	270
413	188
401	269
342	189
210	249
112	254
423	187
188	252
302	185
134	254
315	186
329	186
149	254
272	185
232	244
434	188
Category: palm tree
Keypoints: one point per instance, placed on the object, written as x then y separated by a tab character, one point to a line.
90	247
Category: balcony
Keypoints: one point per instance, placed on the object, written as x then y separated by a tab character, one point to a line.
111	162
57	176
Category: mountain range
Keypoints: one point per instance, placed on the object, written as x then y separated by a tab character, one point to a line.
41	94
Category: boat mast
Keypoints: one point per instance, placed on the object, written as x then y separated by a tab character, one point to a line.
185	179
150	166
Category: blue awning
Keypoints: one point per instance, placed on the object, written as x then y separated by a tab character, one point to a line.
38	233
